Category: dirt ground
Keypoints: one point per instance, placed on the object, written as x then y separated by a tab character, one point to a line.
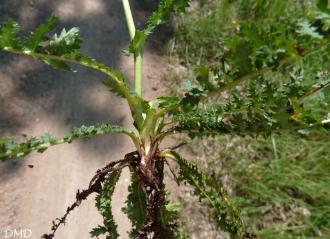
35	99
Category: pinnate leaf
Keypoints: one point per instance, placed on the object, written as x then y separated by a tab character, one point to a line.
103	204
135	207
9	148
213	193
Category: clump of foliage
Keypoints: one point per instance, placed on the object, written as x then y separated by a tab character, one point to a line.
252	56
278	182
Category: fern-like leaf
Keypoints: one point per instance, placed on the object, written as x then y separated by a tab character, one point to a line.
135	208
38	35
103	204
10	149
214	194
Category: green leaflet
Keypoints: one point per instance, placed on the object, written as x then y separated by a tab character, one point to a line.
214	194
117	89
39	34
138	106
64	43
160	16
135	204
170	215
137	43
165	102
67	42
8	35
305	28
103	204
10	149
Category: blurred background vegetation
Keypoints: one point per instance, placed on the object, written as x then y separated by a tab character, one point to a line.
281	183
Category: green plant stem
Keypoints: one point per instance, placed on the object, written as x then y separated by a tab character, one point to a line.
138	57
129	18
274	146
138	72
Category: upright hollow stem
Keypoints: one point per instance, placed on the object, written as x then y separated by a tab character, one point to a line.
138	57
129	18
